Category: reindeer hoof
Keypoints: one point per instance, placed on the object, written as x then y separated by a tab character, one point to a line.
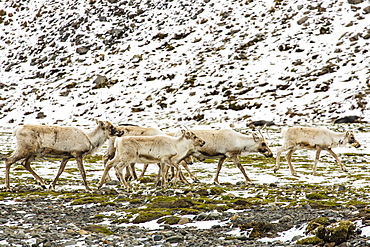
43	186
217	184
9	190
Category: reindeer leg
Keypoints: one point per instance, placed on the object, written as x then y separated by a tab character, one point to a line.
159	175
289	159
109	155
241	168
337	159
278	154
14	158
8	164
27	164
60	170
133	171
182	177
192	176
119	170
82	171
165	167
219	166
144	170
178	175
106	158
318	151
108	166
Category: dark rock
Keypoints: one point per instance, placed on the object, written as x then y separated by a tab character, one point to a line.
337	232
40	115
175	239
157	237
354	1
302	20
347	119
260	123
367	10
82	50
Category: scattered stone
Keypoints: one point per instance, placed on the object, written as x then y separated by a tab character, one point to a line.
175	239
184	221
82	50
302	20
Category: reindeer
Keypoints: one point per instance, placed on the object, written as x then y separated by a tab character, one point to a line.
128	130
56	142
313	138
134	130
166	150
227	143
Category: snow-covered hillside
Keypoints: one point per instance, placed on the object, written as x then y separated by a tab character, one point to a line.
163	62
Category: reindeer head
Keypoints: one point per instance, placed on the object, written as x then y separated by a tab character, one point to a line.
263	148
192	136
110	128
350	137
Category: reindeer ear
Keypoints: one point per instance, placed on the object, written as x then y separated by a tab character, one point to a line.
255	137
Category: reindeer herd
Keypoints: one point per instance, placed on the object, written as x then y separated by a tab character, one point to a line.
130	144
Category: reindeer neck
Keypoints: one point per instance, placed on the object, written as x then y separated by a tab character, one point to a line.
97	138
248	144
339	138
183	146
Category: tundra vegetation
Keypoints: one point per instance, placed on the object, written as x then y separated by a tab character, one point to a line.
330	202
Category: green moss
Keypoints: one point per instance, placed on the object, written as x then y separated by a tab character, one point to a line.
87	200
170	220
146	179
310	240
316	196
71	170
216	191
357	203
98	216
121	221
337	232
135	201
145	216
98	229
313	224
93	158
184	211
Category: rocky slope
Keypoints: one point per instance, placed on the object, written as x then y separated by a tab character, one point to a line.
199	61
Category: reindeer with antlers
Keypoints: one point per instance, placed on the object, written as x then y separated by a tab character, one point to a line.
227	143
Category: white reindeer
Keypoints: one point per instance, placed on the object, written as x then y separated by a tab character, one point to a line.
128	130
227	143
134	130
313	138
166	150
56	142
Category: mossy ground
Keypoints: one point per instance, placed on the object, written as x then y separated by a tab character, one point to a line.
147	202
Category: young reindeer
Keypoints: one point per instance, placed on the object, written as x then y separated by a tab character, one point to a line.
313	138
166	150
128	130
134	130
56	142
227	143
